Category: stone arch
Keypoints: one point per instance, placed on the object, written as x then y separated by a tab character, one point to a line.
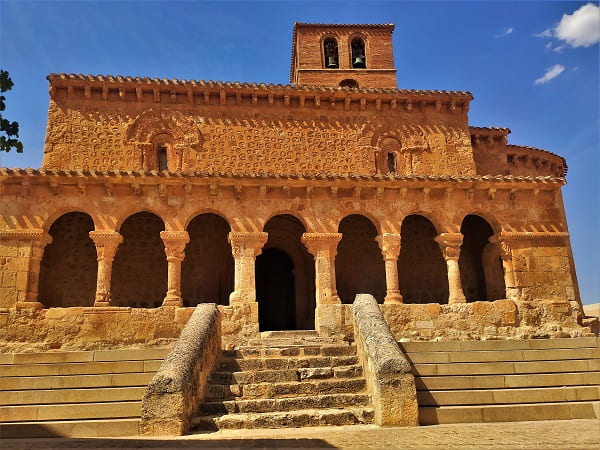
139	275
203	211
487	216
127	214
375	221
208	268
437	223
281	305
69	264
330	48
481	270
359	265
66	209
422	272
285	212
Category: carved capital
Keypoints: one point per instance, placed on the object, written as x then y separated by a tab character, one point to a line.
175	242
503	244
106	243
318	242
389	243
247	244
450	244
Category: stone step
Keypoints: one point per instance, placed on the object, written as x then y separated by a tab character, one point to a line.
504	355
507	381
76	381
287	351
433	415
274	376
285	389
85	356
508	396
289	419
53	396
288	334
239	365
84	368
71	428
502	368
516	344
70	411
285	404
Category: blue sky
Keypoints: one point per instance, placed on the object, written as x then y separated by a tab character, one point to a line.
495	50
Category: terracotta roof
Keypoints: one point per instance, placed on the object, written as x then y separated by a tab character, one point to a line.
489	129
117	79
17	172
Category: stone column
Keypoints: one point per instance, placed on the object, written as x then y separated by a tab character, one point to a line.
107	243
389	244
507	263
450	245
245	247
175	242
38	240
323	246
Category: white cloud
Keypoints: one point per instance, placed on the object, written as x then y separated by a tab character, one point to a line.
549	45
550	74
574	68
582	28
508	31
559	48
544	34
505	32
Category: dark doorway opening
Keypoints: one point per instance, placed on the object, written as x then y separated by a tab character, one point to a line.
275	290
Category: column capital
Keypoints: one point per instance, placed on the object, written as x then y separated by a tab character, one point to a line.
504	245
316	242
389	243
106	242
450	244
247	243
175	242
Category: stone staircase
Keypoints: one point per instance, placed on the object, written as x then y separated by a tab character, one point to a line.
500	381
75	394
286	379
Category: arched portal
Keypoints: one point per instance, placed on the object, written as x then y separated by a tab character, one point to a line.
480	265
207	269
139	274
69	267
359	265
422	272
285	278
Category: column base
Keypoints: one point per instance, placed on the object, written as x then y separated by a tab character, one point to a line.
454	300
29	305
393	298
101	304
173	301
237	297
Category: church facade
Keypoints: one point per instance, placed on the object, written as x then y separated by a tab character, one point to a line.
280	203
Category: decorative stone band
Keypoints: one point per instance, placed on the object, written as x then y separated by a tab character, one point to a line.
387	370
26	235
533	235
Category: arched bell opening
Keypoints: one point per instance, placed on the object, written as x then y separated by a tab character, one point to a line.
208	267
359	58
330	53
285	278
422	271
69	265
481	270
139	274
359	265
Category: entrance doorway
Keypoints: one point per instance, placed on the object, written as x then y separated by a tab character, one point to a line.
275	290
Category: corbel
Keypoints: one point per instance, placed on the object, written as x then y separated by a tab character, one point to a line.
206	95
52	92
162	191
317	101
262	191
135	187
212	190
82	186
237	192
222	97
270	99
347	102
287	190
393	103
139	94
332	102
301	101
238	98
356	193
403	192
448	193
379	193
512	194
54	187
108	187
426	192
438	105
122	93
187	190
25	187
156	93
536	193
452	106
491	194
334	191
87	92
190	95
104	93
70	91
254	99
378	104
363	103
409	107
490	141
309	192
422	104
286	100
470	193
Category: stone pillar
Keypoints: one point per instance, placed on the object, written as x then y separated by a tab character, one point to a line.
450	245
38	240
107	243
175	242
245	247
389	244
323	246
512	291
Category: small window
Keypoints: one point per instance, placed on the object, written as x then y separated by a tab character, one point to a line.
391	159
359	60
349	83
162	159
330	50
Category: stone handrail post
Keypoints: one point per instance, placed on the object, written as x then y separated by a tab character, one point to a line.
176	391
450	244
175	242
389	244
245	247
323	246
386	368
106	243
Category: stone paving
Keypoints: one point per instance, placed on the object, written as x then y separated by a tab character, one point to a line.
559	434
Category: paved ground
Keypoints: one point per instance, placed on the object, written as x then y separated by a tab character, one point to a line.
559	434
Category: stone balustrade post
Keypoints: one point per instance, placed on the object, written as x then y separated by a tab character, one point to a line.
450	244
505	249
175	242
245	247
389	243
106	243
323	246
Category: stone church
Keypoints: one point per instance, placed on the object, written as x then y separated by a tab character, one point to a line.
281	203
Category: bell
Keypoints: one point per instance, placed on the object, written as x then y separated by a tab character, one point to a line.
359	62
332	61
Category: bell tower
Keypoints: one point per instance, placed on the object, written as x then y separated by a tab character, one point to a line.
335	55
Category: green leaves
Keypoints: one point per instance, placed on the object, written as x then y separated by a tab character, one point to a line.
9	130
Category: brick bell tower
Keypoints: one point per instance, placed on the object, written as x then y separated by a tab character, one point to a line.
335	55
